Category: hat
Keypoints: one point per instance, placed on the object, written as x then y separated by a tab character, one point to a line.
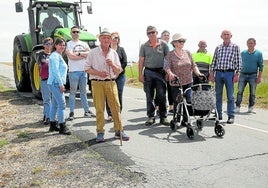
105	31
177	36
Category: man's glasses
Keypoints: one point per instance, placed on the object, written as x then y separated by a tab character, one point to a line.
75	32
180	41
48	44
151	33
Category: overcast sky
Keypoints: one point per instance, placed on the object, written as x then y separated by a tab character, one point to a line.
194	19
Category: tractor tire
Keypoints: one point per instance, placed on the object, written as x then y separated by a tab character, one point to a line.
35	76
20	69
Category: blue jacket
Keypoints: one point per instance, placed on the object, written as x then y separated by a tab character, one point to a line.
57	69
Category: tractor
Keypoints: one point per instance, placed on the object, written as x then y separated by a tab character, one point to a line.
27	46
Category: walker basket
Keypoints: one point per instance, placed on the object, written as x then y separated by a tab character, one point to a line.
203	97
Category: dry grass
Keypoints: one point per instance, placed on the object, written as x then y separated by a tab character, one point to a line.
30	156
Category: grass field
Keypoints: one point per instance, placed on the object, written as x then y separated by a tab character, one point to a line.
261	94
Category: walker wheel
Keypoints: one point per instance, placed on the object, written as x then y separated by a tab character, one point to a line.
199	124
190	132
173	125
219	130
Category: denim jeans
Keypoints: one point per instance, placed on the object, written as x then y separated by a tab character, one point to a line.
46	96
243	80
155	81
120	82
58	104
78	78
225	79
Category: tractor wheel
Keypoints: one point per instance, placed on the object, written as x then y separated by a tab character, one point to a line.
20	70
35	76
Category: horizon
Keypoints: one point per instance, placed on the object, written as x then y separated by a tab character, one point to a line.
243	18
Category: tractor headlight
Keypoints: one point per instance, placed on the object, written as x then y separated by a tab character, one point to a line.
45	6
91	44
38	5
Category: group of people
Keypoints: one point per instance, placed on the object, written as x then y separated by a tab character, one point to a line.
105	65
158	64
53	73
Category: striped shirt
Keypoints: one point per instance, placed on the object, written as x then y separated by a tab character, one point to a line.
227	57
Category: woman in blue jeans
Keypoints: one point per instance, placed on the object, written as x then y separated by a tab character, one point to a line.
56	82
121	79
43	72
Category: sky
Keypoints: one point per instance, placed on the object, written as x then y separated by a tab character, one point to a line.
195	20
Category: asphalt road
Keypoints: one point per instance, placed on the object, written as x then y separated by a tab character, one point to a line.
170	159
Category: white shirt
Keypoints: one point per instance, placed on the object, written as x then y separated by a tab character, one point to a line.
76	47
96	60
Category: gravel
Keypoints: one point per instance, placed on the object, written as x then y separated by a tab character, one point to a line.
30	156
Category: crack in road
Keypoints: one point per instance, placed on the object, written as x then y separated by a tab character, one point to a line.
232	159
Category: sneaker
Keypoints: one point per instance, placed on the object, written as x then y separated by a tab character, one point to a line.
71	116
237	109
150	121
125	137
250	110
100	137
87	114
164	121
91	113
110	118
230	120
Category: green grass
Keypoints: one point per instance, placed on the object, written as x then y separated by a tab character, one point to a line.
3	142
23	134
132	74
261	93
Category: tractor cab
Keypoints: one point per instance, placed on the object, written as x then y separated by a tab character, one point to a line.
47	18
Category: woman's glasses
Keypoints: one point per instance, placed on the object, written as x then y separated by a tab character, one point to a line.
180	41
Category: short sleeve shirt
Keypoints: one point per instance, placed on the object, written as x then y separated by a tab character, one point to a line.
154	57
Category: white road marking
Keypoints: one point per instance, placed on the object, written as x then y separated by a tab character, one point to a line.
255	129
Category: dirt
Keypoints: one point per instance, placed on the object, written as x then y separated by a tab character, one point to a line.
30	156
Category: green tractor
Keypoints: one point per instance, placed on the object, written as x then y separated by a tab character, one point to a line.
27	46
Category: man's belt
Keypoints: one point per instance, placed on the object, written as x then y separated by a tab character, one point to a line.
225	70
105	80
248	73
155	69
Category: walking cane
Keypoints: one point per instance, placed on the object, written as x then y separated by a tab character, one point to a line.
120	131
